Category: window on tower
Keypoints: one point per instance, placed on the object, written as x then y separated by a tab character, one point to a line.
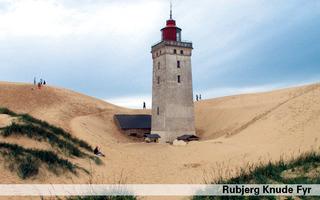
178	63
158	79
178	36
179	79
158	110
181	52
175	51
158	65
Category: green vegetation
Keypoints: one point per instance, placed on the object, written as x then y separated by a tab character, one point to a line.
26	162
57	131
41	134
7	111
27	167
45	127
296	171
38	133
303	170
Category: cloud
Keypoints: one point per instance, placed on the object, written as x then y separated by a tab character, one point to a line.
5	5
102	48
52	18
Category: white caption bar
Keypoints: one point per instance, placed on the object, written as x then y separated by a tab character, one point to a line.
159	190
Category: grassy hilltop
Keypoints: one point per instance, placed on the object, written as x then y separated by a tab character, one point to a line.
302	170
26	161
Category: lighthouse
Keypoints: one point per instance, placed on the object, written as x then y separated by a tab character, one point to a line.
172	95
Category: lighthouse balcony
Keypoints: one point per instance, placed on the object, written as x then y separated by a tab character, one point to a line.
184	44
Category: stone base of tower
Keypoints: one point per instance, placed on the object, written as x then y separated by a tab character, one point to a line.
170	136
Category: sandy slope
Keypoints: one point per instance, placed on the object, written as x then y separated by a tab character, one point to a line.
235	131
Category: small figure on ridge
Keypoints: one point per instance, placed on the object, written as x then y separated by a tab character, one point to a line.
144	105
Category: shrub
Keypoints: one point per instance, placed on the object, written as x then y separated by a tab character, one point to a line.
57	131
41	134
272	173
50	128
28	167
28	160
43	131
7	111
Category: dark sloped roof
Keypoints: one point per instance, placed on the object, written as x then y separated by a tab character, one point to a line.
152	136
133	121
188	137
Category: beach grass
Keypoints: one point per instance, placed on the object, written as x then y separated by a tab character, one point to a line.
26	162
304	169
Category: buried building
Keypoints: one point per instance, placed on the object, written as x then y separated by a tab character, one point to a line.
172	95
133	125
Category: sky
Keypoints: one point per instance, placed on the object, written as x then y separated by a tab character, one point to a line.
102	47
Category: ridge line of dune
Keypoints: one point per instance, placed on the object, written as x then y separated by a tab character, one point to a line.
260	116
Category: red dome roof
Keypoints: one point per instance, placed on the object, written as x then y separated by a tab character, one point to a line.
171	32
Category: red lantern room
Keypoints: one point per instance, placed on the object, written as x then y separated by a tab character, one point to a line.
171	32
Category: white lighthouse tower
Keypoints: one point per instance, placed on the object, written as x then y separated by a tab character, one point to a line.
172	96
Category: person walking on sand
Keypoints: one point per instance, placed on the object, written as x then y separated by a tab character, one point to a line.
144	105
44	82
197	97
39	85
34	81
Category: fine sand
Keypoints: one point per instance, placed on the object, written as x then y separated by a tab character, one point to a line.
235	131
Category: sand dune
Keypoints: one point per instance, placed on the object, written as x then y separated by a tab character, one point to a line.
234	130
